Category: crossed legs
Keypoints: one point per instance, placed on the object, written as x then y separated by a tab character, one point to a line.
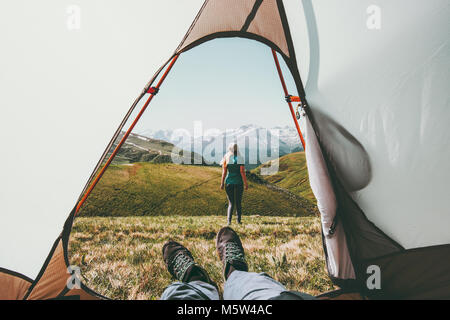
195	284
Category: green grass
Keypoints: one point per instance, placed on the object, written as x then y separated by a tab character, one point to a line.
292	175
120	257
119	233
147	189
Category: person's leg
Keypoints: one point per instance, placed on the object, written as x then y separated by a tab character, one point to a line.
229	188
195	283
238	198
194	290
241	284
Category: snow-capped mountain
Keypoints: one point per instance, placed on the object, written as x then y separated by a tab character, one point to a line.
257	144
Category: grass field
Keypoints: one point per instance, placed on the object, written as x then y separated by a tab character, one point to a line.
148	189
118	236
120	257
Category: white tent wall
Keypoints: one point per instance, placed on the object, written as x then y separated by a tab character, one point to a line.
299	31
379	98
63	94
386	89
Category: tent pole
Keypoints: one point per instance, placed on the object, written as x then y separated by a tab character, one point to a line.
124	138
280	74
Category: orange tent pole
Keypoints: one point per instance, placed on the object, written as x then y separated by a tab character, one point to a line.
122	141
280	74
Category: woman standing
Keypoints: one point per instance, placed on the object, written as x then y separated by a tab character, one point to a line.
235	181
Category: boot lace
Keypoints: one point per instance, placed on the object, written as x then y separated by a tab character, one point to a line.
180	263
234	252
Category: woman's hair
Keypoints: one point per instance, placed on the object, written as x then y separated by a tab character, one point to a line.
232	151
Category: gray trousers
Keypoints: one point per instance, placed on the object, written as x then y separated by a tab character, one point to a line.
240	285
234	195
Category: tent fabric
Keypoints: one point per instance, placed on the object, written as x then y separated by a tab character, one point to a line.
366	119
339	263
65	92
356	238
377	117
380	99
260	18
53	277
13	285
341	295
420	273
51	282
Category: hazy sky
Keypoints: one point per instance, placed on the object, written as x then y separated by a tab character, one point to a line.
225	83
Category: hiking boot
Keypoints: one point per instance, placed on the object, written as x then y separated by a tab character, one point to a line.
230	251
181	265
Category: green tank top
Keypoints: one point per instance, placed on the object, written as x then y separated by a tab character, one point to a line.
234	171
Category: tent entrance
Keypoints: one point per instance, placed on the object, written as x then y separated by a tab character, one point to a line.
152	91
287	227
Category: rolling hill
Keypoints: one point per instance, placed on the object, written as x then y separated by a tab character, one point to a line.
151	189
292	175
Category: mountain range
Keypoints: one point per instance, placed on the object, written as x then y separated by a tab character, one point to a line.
257	144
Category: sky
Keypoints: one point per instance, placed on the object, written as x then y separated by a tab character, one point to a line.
224	83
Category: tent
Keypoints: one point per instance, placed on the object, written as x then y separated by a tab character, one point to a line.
373	80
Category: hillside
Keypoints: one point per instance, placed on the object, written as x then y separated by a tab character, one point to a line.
139	148
292	175
149	189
